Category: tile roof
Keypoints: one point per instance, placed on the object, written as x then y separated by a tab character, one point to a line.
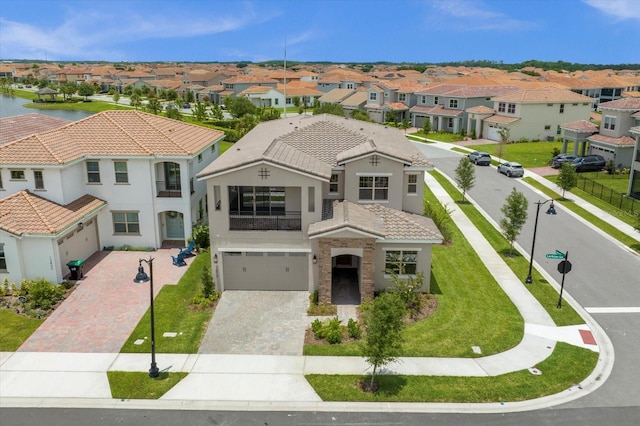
621	141
316	144
501	119
336	95
125	133
26	213
481	109
467	91
542	95
18	126
385	223
357	99
437	110
580	126
622	103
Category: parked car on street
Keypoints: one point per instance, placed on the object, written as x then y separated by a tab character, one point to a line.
186	105
511	169
558	160
589	163
480	158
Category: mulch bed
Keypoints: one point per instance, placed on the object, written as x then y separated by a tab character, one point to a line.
20	304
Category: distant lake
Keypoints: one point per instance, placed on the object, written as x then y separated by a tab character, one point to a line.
10	106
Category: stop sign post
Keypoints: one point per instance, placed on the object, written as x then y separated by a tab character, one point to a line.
564	268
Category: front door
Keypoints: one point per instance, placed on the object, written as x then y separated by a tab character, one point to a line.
175	226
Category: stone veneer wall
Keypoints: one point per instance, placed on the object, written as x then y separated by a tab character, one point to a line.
367	265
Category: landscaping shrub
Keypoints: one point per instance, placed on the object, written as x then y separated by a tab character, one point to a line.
353	328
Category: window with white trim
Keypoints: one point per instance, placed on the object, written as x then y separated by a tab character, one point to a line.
373	96
3	259
333	183
609	122
412	184
450	123
423	99
435	100
401	262
93	171
453	103
1	186
502	107
561	108
402	97
121	171
125	223
38	179
17	175
511	108
374	188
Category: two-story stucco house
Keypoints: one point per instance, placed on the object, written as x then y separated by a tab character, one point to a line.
301	203
115	178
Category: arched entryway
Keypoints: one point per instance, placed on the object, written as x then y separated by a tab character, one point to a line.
345	279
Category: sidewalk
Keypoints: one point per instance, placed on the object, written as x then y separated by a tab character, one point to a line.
248	382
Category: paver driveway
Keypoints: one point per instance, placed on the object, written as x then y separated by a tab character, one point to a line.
106	305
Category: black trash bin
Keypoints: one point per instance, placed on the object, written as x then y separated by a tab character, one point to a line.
76	268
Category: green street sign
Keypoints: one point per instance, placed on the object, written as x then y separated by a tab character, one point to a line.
555	256
560	253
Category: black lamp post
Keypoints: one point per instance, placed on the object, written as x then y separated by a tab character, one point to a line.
142	277
552	211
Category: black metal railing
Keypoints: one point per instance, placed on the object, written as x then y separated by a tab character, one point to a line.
286	221
615	198
168	189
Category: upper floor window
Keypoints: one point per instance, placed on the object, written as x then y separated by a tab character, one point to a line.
435	100
349	85
502	107
511	109
561	108
333	183
17	175
609	122
373	96
386	94
125	223
402	97
453	103
423	99
199	158
3	259
1	186
122	173
412	185
38	179
93	172
401	262
374	188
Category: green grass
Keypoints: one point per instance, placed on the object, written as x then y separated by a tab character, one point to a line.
594	220
439	136
619	182
93	106
173	314
224	146
567	366
468	300
529	154
540	289
138	385
15	329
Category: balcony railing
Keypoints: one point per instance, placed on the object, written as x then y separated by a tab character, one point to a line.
287	221
168	189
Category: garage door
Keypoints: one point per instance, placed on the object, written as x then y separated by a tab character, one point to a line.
492	133
265	271
79	244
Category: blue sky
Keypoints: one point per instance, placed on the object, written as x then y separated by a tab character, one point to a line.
583	31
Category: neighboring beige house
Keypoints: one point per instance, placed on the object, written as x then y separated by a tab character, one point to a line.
634	179
318	203
535	114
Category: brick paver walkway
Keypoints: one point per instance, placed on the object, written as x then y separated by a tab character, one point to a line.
106	305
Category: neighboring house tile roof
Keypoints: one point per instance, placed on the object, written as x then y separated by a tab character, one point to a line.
481	109
316	144
379	221
355	100
466	91
19	126
501	119
440	110
336	95
622	103
580	126
26	213
621	141
543	94
110	133
396	106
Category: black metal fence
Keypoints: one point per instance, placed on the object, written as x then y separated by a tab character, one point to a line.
615	198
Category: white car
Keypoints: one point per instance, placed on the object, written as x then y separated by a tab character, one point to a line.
511	169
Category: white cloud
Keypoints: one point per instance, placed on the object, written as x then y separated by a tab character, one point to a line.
472	15
621	9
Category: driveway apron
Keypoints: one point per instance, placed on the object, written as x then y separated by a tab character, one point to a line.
106	304
258	323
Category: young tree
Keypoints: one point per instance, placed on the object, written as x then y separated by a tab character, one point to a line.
465	176
568	178
383	320
515	216
153	106
216	112
86	90
505	134
426	126
199	111
135	100
116	97
175	114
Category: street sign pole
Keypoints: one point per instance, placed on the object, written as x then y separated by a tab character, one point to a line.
566	257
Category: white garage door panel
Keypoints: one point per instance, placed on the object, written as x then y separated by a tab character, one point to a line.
266	272
78	245
493	133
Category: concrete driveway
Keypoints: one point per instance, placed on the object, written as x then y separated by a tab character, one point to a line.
258	323
106	304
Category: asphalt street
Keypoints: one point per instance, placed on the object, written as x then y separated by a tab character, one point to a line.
605	273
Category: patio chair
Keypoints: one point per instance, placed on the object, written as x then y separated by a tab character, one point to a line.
187	251
179	260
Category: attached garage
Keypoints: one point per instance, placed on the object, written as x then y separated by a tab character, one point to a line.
492	132
265	270
78	244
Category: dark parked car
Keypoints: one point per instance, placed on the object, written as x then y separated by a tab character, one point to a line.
511	168
186	105
558	160
589	163
479	157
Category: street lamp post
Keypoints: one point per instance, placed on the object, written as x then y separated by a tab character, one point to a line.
142	277
552	211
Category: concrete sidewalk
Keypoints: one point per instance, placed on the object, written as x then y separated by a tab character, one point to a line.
262	382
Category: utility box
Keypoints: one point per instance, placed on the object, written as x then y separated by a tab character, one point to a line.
76	269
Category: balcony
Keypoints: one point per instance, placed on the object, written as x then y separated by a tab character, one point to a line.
286	221
166	189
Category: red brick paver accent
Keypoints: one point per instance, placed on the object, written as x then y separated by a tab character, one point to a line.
587	337
106	305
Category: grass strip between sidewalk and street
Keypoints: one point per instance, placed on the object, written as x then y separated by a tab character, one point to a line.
589	217
540	289
138	385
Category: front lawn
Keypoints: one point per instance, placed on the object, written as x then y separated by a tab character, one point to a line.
15	329
173	313
529	154
439	136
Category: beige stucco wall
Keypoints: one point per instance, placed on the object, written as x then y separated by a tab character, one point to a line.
386	167
424	262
